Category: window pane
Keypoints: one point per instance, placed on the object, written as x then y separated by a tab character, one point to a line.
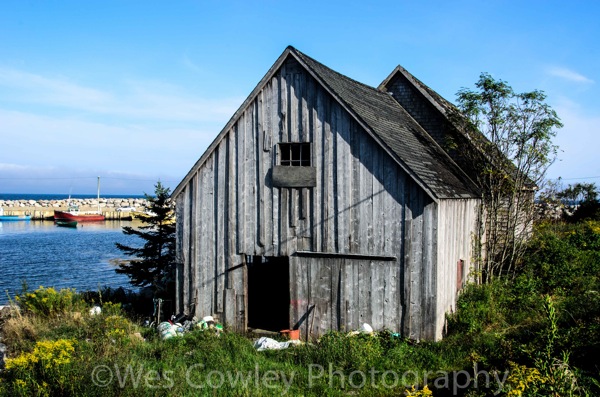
295	152
285	153
305	155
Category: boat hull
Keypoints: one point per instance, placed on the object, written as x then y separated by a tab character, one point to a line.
66	216
14	218
66	223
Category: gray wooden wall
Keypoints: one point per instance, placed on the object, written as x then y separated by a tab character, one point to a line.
456	236
343	293
363	203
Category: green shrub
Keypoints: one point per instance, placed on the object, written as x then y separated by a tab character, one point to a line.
564	259
349	353
479	308
46	371
47	302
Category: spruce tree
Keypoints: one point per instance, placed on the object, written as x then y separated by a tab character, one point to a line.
153	264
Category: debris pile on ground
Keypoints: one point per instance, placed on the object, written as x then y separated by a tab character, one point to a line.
181	324
265	343
364	329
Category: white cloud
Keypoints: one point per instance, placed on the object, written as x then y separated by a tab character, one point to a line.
145	100
148	128
136	127
43	140
568	74
11	167
167	102
27	86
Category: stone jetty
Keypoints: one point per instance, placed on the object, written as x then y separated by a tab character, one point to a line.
44	209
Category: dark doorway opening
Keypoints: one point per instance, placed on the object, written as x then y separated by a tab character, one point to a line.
268	292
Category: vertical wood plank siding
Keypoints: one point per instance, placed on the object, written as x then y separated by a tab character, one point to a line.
341	294
363	203
456	231
181	290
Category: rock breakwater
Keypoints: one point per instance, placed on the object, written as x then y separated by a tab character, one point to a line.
111	208
108	203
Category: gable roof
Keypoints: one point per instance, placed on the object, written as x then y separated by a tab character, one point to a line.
442	105
385	120
482	149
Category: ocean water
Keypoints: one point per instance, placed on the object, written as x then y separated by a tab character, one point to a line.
36	197
41	253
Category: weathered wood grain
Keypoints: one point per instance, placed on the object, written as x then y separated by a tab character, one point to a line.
360	202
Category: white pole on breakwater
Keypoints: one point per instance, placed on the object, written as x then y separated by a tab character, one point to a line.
98	194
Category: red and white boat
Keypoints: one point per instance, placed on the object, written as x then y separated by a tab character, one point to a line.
73	214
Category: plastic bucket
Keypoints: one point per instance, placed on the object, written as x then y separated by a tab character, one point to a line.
292	334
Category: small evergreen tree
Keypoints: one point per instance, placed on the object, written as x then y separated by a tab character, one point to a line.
154	263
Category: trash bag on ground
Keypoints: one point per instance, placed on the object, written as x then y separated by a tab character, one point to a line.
265	343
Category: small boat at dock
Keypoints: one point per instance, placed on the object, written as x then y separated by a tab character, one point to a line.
63	223
4	218
72	213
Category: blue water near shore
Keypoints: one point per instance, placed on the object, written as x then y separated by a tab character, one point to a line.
36	197
41	253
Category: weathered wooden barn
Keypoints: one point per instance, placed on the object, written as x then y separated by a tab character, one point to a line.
324	204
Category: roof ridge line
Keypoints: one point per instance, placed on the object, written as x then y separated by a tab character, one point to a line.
301	54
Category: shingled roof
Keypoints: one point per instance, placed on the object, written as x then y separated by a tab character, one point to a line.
411	146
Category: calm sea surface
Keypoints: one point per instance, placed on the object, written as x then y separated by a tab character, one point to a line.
21	196
42	253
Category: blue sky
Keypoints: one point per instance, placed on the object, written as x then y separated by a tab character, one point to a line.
134	91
